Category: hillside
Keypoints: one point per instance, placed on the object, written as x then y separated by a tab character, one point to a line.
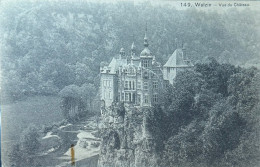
49	45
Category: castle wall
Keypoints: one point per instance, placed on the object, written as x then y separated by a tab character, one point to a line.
108	86
169	73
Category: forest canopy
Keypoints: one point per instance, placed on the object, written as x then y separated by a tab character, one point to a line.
210	124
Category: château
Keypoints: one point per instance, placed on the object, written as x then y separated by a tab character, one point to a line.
138	79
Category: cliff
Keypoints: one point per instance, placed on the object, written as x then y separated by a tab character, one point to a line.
126	137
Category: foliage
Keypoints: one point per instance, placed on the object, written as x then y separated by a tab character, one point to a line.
15	155
23	153
214	111
77	100
29	140
216	75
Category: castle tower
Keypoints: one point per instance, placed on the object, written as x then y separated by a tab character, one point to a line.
135	60
122	53
176	63
146	55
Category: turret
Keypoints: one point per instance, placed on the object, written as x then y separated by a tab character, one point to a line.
177	62
146	44
122	53
146	54
134	58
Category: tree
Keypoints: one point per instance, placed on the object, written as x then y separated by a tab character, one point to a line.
248	151
222	131
70	100
15	156
181	111
23	153
30	140
216	75
241	90
88	92
184	148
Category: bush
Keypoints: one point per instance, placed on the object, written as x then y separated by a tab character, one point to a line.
30	140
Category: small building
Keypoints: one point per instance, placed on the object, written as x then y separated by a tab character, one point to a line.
177	62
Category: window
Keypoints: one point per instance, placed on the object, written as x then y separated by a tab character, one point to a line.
155	98
138	98
145	75
168	69
152	75
130	96
131	71
145	63
118	82
155	84
109	83
133	97
146	99
126	96
126	85
145	85
130	85
123	97
110	95
118	97
138	85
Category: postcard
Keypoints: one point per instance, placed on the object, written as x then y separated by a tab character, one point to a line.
130	83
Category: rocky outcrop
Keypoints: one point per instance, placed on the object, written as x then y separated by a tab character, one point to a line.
126	137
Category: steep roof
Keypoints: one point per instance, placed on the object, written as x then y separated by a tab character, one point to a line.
115	64
176	60
146	53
